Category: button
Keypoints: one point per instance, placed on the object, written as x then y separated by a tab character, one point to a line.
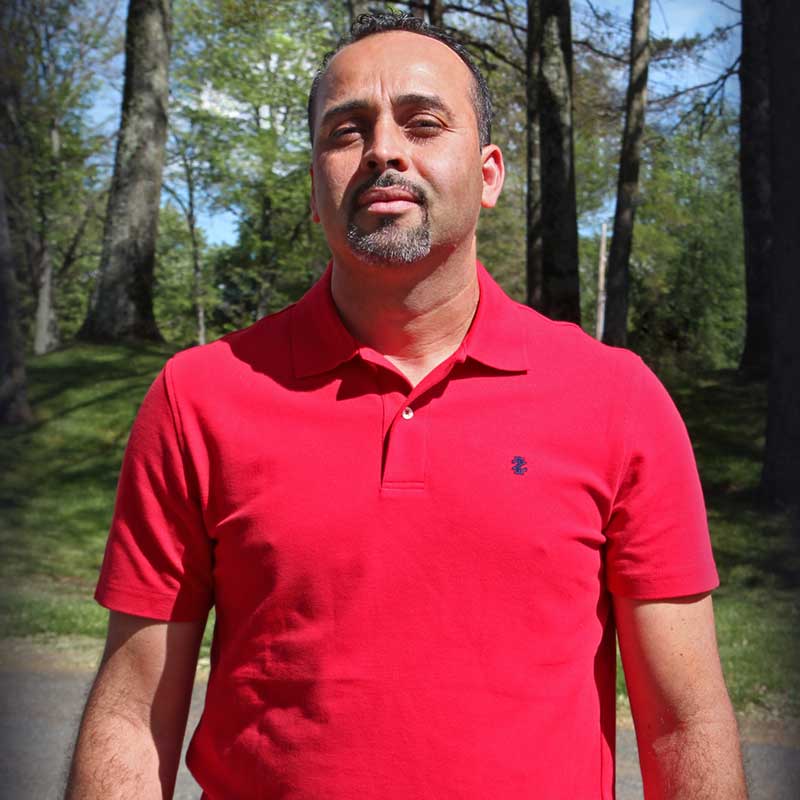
408	413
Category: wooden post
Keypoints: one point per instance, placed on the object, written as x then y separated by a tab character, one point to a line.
601	286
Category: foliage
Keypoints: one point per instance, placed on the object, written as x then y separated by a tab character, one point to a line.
240	82
174	279
54	57
687	271
687	265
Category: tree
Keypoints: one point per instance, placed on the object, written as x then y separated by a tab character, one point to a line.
53	54
436	13
780	480
14	406
499	36
176	280
616	316
754	160
240	143
184	150
533	195
357	7
560	282
122	302
686	281
434	9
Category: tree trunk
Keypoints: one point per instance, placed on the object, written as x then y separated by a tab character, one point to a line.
200	308
780	480
754	161
560	284
436	13
122	302
356	8
533	194
14	405
616	321
197	273
45	333
417	8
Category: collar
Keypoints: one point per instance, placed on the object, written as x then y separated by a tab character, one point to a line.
320	342
496	337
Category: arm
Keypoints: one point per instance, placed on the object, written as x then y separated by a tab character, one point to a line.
685	726
130	737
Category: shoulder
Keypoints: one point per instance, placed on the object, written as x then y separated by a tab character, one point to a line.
565	352
260	349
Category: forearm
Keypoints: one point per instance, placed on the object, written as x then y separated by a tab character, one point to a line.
692	760
115	760
129	743
118	756
685	726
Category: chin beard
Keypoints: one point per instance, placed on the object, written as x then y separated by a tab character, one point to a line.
391	244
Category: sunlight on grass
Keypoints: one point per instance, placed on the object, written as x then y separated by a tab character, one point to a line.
60	474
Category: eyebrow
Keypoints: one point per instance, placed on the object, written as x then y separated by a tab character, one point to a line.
431	101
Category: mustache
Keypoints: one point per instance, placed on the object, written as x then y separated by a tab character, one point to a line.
385	181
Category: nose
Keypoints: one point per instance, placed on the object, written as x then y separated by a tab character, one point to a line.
386	148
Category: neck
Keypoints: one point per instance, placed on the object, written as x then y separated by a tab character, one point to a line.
415	315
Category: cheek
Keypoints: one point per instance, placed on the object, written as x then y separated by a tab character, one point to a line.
333	177
457	184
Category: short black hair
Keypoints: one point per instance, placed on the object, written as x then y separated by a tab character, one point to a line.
370	24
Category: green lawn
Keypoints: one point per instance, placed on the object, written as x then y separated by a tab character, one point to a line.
58	479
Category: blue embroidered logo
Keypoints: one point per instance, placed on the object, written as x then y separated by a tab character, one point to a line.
518	465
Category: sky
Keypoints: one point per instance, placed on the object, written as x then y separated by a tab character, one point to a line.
668	18
686	17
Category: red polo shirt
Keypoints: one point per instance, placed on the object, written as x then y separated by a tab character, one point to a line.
412	586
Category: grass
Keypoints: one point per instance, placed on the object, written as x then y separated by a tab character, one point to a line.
59	477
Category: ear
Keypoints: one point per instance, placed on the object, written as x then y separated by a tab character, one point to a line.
494	173
314	214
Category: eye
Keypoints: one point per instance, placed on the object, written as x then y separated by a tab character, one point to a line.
425	122
424	126
345	130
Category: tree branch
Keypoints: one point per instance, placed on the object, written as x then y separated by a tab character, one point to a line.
587	45
71	256
485	15
514	28
177	198
484	46
729	8
717	84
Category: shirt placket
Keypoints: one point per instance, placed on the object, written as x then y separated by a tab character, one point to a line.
405	442
406	426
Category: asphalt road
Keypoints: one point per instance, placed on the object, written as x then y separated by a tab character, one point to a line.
40	709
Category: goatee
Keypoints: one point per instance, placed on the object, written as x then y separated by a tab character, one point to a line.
390	243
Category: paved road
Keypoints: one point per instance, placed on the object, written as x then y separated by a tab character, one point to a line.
40	709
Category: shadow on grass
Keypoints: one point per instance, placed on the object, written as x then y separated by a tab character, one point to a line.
726	417
60	473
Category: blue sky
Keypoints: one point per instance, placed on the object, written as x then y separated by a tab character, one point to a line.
668	18
685	17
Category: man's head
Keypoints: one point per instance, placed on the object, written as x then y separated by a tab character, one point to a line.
399	165
371	24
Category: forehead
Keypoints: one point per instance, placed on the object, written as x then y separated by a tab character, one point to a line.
396	62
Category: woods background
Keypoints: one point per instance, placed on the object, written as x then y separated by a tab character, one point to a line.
108	221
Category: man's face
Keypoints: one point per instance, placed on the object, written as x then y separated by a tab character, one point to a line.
397	170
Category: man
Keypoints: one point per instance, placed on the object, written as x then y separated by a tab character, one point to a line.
419	509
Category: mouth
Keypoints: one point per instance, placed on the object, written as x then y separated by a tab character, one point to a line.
394	199
387	201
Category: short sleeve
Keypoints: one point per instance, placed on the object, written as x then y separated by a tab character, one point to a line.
658	544
158	557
